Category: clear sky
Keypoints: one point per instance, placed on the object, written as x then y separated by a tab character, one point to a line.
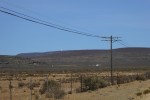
128	19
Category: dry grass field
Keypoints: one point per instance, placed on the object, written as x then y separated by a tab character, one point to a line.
123	92
127	91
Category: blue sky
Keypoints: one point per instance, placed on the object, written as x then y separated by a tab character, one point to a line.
128	19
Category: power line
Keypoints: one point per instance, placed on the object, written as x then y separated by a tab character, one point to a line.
39	19
122	44
41	22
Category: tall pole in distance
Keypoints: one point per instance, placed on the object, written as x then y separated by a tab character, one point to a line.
111	39
111	65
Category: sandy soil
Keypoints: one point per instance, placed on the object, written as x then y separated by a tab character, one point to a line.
147	97
116	92
123	92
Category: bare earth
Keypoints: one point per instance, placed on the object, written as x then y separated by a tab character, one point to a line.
123	92
146	97
116	92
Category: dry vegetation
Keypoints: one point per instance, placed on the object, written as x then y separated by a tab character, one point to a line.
75	86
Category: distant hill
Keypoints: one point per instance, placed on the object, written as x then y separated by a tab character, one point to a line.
82	52
82	59
32	55
15	63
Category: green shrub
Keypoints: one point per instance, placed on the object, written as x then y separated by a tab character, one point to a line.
48	95
139	94
78	90
93	83
52	89
33	85
59	94
36	84
140	77
147	75
37	97
21	84
121	79
146	91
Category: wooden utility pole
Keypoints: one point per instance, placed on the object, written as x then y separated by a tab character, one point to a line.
111	39
111	65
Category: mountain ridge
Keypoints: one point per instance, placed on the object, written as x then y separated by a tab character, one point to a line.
37	54
79	59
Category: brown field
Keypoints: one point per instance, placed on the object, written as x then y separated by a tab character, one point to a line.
125	91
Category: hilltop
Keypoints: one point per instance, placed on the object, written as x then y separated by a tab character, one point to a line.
81	59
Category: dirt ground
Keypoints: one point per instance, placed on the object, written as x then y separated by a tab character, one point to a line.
147	97
123	92
115	92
